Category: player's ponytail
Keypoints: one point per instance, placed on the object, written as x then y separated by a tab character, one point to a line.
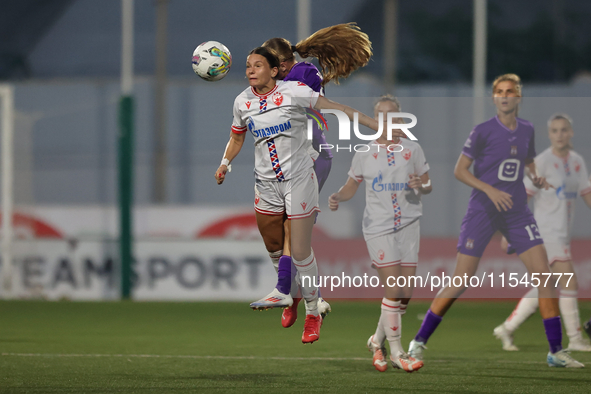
340	50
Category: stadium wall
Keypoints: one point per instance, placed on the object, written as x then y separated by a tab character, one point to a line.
210	253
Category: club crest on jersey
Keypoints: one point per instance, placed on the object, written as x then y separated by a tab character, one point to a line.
577	167
470	244
556	165
303	204
406	153
381	254
301	84
247	105
375	155
513	150
277	98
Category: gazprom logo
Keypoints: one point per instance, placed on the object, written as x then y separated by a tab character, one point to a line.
378	186
250	124
564	195
377	183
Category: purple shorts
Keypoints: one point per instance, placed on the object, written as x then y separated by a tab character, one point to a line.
322	167
478	227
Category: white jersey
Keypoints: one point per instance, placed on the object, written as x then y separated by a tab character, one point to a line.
278	123
554	209
390	204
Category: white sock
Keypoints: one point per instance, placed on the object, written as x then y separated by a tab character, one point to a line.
391	324
275	259
569	309
403	309
526	307
308	270
380	335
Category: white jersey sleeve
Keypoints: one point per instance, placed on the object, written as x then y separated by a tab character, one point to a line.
238	125
584	182
303	95
356	171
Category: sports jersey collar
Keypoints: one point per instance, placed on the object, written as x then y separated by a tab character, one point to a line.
565	158
505	127
266	94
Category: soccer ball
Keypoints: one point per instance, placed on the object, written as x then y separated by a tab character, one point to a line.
212	60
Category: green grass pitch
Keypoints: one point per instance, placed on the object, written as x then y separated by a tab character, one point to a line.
141	347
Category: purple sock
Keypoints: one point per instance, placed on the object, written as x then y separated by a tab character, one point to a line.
429	325
553	328
284	274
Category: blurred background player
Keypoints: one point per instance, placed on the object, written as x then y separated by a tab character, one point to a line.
501	149
396	175
554	211
354	51
274	113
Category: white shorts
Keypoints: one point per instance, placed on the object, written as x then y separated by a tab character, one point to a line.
401	247
557	251
297	196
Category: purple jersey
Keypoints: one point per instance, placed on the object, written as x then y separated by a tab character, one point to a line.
308	73
499	155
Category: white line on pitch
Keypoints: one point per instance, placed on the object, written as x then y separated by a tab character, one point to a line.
232	357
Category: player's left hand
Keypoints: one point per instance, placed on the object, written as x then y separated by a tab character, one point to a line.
333	201
220	174
414	182
541	182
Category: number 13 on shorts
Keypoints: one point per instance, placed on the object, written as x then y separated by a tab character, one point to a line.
533	232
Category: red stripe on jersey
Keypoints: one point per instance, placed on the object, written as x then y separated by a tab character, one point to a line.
263	95
238	130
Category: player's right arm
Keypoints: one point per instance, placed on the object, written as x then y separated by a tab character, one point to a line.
462	173
324	103
345	193
233	147
349	189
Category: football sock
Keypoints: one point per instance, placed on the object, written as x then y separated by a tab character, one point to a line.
308	271
380	335
553	329
284	274
430	323
390	320
569	310
275	259
526	307
403	308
